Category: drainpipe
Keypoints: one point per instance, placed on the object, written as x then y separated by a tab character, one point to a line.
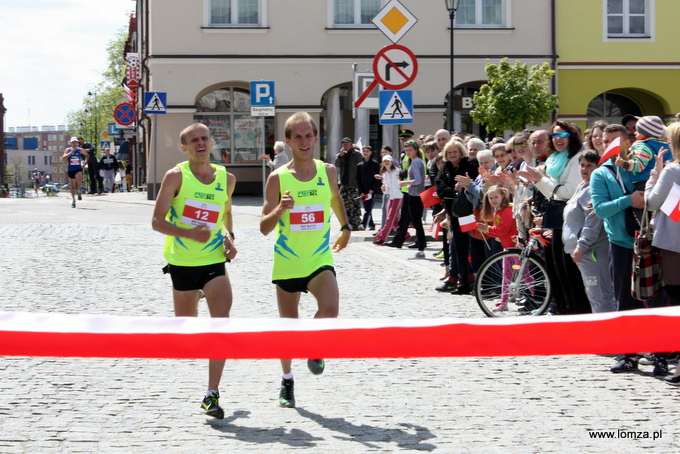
553	39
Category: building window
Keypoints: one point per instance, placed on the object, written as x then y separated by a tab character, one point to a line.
355	13
628	18
239	137
235	13
481	14
612	106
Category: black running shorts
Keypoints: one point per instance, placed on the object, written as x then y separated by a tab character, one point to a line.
185	278
299	284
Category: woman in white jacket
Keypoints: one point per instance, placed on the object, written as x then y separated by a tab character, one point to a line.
666	230
562	177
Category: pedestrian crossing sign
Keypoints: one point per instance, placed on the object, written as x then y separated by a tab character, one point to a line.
155	102
396	107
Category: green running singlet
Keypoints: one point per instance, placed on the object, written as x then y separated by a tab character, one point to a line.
198	203
303	233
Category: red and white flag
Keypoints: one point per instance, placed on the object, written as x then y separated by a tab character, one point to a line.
132	97
672	204
467	223
614	149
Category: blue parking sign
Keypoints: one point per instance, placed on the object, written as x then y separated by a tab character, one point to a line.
262	93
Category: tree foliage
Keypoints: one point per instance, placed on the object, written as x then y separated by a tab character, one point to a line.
96	111
514	96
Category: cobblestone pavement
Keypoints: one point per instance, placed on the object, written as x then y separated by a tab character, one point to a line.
103	258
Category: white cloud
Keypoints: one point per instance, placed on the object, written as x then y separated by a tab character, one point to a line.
52	49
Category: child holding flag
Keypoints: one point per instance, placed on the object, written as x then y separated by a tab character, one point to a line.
497	209
642	154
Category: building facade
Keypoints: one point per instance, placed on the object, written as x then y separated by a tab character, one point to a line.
205	53
616	57
33	147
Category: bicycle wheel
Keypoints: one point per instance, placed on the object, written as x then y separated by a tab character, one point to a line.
508	285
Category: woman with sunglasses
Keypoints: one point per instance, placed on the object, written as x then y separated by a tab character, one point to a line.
562	177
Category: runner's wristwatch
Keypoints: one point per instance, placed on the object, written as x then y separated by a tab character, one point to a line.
345	227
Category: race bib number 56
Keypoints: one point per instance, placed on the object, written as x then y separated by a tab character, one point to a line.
307	218
196	213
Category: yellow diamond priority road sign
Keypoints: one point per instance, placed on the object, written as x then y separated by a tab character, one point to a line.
394	20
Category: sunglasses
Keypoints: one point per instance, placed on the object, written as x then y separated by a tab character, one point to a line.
521	144
563	135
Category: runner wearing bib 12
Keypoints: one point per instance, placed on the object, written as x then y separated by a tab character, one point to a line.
196	204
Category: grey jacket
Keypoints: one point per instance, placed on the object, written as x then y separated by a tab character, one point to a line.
666	231
582	227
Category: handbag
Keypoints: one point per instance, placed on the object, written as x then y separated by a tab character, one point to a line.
461	206
647	278
553	215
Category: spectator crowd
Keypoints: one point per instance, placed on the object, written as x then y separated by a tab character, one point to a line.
587	193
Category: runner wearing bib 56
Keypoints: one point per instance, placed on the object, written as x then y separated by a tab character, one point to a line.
299	197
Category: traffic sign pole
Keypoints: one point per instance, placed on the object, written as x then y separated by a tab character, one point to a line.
155	154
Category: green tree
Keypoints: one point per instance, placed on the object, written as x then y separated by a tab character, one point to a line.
16	163
514	96
96	110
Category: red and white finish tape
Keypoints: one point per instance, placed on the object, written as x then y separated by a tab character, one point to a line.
32	334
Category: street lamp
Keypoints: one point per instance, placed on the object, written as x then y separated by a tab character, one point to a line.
93	92
451	6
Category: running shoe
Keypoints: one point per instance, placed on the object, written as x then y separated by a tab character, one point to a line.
648	359
501	307
287	395
316	366
418	255
627	364
73	204
447	286
661	368
211	406
80	197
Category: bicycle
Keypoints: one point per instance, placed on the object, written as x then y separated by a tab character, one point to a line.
525	290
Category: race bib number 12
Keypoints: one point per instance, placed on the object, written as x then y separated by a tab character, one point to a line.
307	218
196	213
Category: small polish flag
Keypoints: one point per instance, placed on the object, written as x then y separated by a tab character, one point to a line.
672	204
467	223
612	150
367	197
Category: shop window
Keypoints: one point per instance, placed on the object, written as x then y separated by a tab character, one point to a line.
481	14
239	137
355	13
235	13
629	18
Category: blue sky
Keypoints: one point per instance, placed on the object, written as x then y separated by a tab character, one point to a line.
51	50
